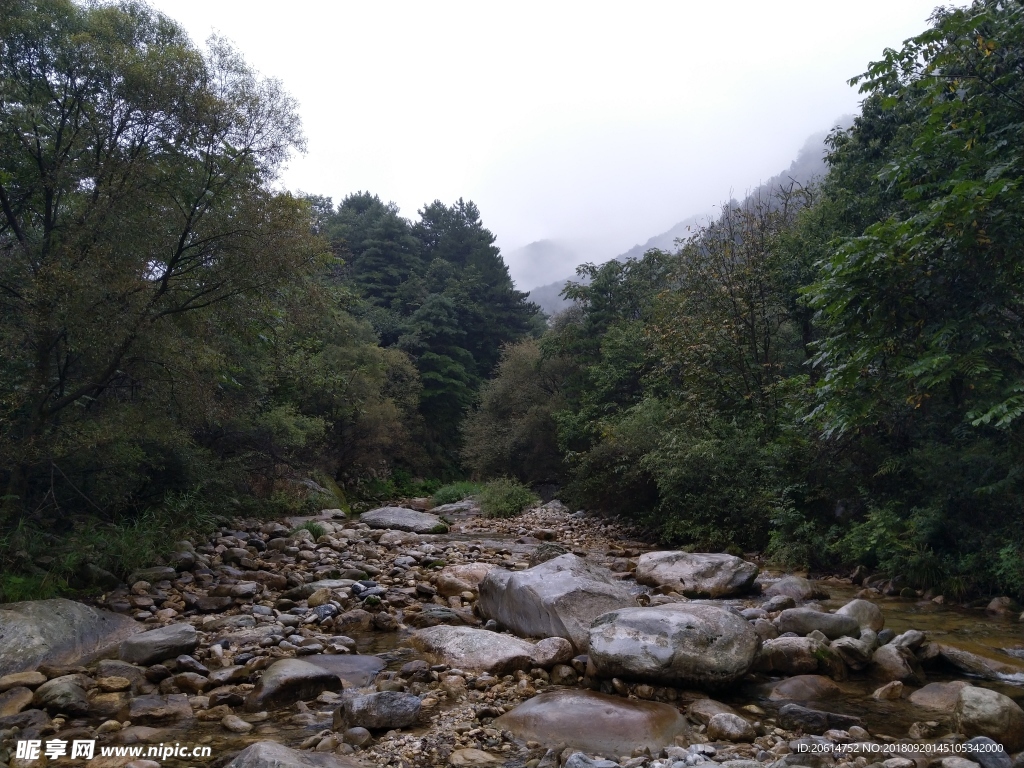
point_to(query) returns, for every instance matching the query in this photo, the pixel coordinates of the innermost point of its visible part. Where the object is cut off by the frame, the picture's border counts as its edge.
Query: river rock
(13, 700)
(62, 694)
(805, 688)
(793, 716)
(981, 712)
(453, 580)
(402, 519)
(354, 671)
(475, 758)
(476, 649)
(32, 679)
(696, 574)
(867, 614)
(988, 754)
(559, 598)
(971, 663)
(856, 652)
(799, 656)
(673, 644)
(159, 644)
(889, 692)
(378, 711)
(702, 710)
(56, 632)
(289, 680)
(156, 709)
(595, 723)
(893, 662)
(728, 727)
(270, 754)
(938, 696)
(803, 621)
(797, 588)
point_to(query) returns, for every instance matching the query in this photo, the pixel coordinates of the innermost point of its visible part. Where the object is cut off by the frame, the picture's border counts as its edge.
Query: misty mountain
(534, 263)
(808, 166)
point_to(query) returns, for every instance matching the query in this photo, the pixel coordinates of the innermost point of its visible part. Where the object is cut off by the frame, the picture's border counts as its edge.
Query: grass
(314, 528)
(453, 492)
(37, 564)
(505, 497)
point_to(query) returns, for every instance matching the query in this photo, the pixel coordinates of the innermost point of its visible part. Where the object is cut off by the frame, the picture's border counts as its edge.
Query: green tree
(135, 192)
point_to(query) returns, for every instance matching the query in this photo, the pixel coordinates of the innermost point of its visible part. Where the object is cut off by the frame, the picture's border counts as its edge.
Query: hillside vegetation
(830, 372)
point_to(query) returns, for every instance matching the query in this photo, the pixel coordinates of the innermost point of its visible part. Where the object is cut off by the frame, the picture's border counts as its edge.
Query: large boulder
(378, 711)
(559, 598)
(971, 663)
(893, 662)
(57, 632)
(798, 588)
(354, 670)
(289, 680)
(696, 574)
(867, 614)
(805, 688)
(62, 694)
(981, 712)
(939, 696)
(799, 656)
(673, 644)
(793, 716)
(486, 651)
(595, 723)
(455, 579)
(270, 754)
(159, 644)
(803, 621)
(402, 519)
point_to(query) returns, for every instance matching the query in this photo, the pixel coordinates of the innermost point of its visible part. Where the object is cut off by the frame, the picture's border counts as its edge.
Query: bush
(505, 497)
(315, 529)
(453, 492)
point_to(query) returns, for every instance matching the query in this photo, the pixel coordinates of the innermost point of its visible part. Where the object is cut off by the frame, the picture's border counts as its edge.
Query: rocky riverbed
(415, 637)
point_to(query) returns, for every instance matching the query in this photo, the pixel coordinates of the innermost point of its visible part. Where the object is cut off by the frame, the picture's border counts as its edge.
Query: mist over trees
(829, 373)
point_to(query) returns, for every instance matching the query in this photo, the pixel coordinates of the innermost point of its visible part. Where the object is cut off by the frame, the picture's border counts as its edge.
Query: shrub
(312, 526)
(453, 492)
(505, 497)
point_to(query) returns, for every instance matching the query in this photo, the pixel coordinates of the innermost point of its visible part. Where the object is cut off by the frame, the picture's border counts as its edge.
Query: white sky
(596, 124)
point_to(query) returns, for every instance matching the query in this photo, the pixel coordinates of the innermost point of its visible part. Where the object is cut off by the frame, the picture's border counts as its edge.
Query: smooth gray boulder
(673, 644)
(159, 644)
(62, 694)
(595, 723)
(354, 670)
(867, 614)
(289, 680)
(402, 519)
(798, 588)
(800, 656)
(558, 598)
(270, 754)
(486, 651)
(57, 632)
(981, 712)
(378, 711)
(803, 621)
(696, 574)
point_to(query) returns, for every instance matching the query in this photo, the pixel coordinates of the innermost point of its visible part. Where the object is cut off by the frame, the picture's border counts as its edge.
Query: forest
(828, 375)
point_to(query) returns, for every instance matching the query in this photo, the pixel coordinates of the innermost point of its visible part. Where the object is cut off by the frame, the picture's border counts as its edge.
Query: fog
(594, 126)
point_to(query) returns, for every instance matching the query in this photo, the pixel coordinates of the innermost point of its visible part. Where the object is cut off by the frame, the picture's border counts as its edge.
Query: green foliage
(513, 428)
(505, 497)
(453, 492)
(438, 290)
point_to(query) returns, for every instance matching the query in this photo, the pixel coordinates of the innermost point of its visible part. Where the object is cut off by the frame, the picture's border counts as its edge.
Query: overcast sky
(596, 124)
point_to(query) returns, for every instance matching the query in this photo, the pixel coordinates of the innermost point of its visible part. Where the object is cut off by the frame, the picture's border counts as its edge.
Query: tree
(135, 191)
